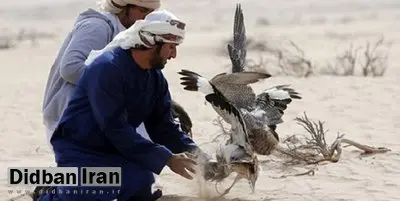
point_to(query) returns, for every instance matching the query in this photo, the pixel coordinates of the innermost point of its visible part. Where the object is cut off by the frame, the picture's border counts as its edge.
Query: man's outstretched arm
(163, 129)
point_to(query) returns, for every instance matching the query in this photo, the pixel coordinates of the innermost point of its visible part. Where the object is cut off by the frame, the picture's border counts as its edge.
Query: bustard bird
(238, 154)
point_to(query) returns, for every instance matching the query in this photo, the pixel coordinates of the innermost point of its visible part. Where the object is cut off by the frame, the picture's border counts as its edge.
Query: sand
(364, 108)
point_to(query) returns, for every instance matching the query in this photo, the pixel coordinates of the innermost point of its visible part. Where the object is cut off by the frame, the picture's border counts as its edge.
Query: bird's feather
(195, 82)
(239, 132)
(274, 102)
(240, 78)
(237, 50)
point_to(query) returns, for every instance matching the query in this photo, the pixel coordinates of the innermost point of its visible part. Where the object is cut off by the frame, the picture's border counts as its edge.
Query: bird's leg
(237, 178)
(252, 186)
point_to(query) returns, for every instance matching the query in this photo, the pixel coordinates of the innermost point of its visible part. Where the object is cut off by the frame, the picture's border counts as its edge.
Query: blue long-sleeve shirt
(113, 96)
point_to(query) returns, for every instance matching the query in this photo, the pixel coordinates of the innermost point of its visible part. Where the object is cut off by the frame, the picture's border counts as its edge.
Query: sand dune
(365, 109)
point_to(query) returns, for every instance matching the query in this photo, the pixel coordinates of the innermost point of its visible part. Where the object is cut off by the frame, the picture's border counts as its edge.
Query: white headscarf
(158, 26)
(115, 6)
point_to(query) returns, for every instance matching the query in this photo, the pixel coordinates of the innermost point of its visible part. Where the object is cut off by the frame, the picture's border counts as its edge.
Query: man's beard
(156, 61)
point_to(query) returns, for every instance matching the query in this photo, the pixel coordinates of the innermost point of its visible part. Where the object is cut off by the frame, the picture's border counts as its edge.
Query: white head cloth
(156, 27)
(115, 6)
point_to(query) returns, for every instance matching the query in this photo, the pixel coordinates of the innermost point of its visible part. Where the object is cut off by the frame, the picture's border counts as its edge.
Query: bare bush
(10, 41)
(372, 61)
(289, 61)
(262, 21)
(6, 43)
(293, 62)
(219, 122)
(251, 44)
(345, 63)
(314, 149)
(260, 65)
(375, 60)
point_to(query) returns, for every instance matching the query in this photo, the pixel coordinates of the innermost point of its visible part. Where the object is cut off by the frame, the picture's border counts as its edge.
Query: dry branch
(293, 62)
(8, 41)
(219, 122)
(366, 148)
(315, 149)
(251, 65)
(308, 173)
(345, 63)
(375, 61)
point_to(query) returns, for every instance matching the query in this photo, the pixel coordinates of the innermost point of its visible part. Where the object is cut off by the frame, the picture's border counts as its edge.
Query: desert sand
(363, 108)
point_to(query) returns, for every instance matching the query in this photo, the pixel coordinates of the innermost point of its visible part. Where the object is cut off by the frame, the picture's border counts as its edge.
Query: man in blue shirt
(121, 87)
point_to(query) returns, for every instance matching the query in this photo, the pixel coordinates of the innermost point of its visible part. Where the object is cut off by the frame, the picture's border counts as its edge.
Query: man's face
(136, 13)
(161, 54)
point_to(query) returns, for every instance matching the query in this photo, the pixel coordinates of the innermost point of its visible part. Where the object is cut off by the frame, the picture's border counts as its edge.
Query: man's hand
(180, 163)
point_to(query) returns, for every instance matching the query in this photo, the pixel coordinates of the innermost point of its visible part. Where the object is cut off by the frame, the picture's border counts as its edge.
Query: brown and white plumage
(238, 154)
(264, 109)
(261, 112)
(247, 168)
(271, 103)
(235, 86)
(256, 130)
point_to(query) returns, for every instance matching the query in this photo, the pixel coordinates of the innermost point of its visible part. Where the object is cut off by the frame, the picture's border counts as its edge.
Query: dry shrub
(290, 59)
(224, 127)
(252, 44)
(8, 41)
(345, 63)
(314, 148)
(373, 60)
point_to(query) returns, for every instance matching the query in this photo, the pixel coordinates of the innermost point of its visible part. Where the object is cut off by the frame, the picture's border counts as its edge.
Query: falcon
(238, 154)
(261, 112)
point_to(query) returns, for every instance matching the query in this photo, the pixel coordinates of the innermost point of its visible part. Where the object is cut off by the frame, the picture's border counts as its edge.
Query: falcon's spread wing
(239, 78)
(274, 102)
(195, 82)
(237, 50)
(235, 86)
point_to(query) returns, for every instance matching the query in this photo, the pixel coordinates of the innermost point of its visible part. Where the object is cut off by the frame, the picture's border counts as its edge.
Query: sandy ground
(365, 109)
